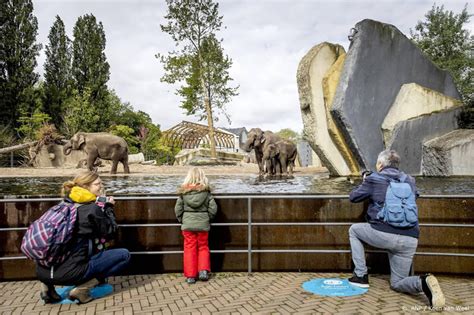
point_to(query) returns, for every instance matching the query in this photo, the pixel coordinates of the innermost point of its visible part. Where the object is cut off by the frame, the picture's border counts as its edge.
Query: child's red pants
(196, 253)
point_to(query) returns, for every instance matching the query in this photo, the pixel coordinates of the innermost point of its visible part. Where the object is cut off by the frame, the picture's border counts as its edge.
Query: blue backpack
(399, 209)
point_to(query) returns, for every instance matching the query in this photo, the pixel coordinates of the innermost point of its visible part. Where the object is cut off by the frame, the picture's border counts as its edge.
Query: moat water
(228, 184)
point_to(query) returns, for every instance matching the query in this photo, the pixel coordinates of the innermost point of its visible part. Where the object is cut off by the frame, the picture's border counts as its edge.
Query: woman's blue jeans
(107, 263)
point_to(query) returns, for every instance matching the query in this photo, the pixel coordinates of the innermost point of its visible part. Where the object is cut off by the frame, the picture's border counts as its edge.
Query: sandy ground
(140, 170)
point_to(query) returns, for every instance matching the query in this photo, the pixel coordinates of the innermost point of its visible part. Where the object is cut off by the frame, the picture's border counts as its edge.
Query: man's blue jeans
(400, 248)
(107, 263)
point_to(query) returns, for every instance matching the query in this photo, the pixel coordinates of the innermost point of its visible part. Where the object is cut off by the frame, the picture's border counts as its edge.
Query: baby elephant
(283, 154)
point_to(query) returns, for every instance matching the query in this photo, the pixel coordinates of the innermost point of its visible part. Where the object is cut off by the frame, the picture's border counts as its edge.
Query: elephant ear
(81, 141)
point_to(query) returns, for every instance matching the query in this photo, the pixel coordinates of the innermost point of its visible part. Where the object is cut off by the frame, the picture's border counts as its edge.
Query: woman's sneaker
(203, 275)
(190, 280)
(361, 282)
(433, 292)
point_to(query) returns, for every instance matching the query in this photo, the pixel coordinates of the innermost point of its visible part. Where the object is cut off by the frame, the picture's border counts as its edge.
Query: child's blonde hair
(196, 177)
(84, 179)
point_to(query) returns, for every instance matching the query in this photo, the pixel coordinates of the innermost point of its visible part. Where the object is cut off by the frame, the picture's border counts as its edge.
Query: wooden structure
(189, 135)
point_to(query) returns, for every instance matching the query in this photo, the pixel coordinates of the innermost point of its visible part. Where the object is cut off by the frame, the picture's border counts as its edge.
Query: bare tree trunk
(210, 122)
(17, 147)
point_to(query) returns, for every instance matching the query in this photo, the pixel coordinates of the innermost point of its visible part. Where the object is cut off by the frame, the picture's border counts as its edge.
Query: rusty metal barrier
(251, 225)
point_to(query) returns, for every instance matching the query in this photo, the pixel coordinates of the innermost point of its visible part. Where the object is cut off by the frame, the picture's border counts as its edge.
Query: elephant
(283, 154)
(100, 145)
(257, 140)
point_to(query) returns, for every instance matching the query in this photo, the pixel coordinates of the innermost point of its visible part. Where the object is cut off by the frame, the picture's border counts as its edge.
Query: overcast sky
(266, 40)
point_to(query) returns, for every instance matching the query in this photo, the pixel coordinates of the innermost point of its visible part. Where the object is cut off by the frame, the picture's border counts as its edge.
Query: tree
(18, 51)
(200, 63)
(289, 134)
(57, 71)
(446, 41)
(90, 68)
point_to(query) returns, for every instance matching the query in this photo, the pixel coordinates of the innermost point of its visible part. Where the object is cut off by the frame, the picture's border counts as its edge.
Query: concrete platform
(237, 293)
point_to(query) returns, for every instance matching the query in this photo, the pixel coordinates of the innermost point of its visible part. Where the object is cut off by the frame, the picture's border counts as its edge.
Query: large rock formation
(412, 101)
(409, 135)
(451, 154)
(311, 71)
(379, 61)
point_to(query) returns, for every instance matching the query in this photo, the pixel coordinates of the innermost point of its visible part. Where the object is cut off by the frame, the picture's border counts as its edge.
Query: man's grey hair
(389, 158)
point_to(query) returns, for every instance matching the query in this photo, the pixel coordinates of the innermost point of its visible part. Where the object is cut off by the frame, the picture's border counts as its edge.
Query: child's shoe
(203, 275)
(190, 280)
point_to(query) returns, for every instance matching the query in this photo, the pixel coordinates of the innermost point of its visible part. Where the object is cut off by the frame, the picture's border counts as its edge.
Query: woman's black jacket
(92, 222)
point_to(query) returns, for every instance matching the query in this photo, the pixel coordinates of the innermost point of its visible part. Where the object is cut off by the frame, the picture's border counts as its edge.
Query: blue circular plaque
(332, 287)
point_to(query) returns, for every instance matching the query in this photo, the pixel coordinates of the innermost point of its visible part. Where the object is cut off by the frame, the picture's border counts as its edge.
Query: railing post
(11, 159)
(249, 236)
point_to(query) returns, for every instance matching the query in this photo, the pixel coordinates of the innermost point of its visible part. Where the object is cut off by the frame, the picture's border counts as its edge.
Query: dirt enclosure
(141, 170)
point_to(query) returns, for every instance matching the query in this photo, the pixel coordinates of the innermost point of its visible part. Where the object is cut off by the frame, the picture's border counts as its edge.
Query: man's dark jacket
(374, 189)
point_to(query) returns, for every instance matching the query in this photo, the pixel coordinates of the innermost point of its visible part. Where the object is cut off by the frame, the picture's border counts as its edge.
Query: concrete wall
(414, 100)
(409, 136)
(450, 154)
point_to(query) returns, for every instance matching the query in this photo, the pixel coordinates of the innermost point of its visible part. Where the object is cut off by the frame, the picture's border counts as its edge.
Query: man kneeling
(393, 226)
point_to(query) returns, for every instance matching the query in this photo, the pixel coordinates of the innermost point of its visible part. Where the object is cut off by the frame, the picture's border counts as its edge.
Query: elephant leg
(91, 161)
(113, 170)
(124, 161)
(259, 158)
(283, 166)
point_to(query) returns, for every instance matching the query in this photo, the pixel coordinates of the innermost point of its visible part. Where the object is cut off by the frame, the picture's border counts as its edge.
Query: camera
(103, 199)
(366, 173)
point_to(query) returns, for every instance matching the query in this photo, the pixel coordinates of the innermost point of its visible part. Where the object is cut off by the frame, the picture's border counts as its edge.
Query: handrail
(250, 250)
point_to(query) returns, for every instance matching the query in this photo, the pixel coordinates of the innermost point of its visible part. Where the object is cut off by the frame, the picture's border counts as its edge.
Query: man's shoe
(433, 292)
(361, 282)
(49, 295)
(203, 275)
(190, 280)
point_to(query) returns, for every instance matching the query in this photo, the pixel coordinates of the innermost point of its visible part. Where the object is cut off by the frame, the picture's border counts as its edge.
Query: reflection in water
(228, 184)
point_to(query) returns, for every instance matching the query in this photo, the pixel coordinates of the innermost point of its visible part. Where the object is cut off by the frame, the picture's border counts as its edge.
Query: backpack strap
(403, 178)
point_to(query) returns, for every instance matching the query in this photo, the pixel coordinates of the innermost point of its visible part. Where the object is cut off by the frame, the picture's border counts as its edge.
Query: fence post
(249, 236)
(11, 159)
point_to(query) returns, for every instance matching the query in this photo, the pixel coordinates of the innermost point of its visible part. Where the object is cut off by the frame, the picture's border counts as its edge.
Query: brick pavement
(236, 293)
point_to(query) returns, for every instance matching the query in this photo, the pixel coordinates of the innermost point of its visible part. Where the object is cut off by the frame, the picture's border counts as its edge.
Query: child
(194, 209)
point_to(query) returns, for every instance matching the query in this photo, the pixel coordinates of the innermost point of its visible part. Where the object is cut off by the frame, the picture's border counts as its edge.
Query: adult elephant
(100, 145)
(283, 153)
(257, 140)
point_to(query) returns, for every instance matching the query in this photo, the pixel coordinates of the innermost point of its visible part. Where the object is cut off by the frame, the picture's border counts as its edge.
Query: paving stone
(269, 293)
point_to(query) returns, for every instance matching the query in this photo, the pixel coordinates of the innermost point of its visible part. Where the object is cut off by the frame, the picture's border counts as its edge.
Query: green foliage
(128, 134)
(149, 137)
(7, 137)
(79, 114)
(90, 68)
(18, 51)
(57, 71)
(164, 153)
(443, 36)
(289, 134)
(30, 125)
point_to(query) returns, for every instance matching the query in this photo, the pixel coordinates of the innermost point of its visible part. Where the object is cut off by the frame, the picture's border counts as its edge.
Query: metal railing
(251, 224)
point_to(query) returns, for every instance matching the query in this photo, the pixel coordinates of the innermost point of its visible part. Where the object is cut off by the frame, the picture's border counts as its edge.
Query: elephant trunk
(67, 148)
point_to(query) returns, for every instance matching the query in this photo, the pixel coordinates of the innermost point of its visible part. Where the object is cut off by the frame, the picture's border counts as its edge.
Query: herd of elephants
(274, 155)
